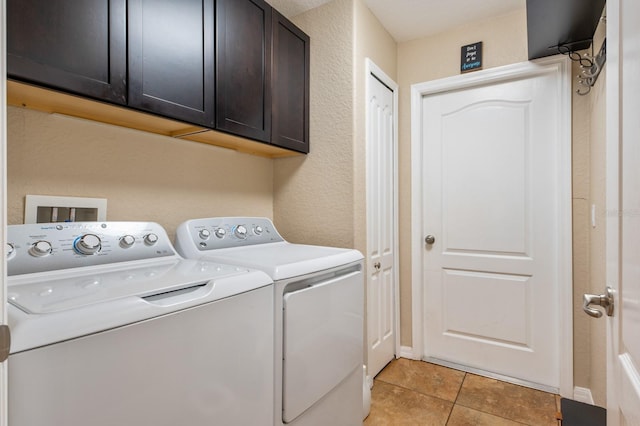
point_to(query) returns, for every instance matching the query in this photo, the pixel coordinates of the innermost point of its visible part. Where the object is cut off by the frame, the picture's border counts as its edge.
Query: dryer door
(323, 340)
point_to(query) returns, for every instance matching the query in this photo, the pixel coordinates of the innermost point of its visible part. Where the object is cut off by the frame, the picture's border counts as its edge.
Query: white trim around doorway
(562, 66)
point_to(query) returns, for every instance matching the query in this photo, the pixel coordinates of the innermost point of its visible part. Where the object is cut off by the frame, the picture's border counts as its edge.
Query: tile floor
(416, 393)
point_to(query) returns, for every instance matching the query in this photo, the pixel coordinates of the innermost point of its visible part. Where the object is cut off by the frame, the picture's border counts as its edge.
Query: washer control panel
(52, 246)
(198, 235)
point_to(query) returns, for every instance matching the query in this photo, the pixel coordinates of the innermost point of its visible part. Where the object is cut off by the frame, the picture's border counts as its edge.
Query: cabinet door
(171, 51)
(243, 68)
(290, 116)
(74, 45)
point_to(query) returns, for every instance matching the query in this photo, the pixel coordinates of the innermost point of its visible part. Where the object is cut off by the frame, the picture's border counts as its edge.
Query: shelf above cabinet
(50, 101)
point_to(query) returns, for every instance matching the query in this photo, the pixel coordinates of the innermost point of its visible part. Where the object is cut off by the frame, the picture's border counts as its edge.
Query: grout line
(455, 401)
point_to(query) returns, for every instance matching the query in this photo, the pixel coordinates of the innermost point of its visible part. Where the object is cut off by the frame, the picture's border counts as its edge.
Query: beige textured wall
(597, 238)
(597, 243)
(581, 223)
(313, 195)
(504, 42)
(143, 176)
(589, 248)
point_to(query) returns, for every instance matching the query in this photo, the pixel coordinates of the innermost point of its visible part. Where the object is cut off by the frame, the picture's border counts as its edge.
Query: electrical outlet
(47, 208)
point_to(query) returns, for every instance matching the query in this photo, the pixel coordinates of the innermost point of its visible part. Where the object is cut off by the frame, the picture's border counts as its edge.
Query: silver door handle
(605, 300)
(429, 239)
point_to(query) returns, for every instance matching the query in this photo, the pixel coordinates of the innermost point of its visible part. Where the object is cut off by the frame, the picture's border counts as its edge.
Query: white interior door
(381, 219)
(496, 190)
(623, 207)
(3, 204)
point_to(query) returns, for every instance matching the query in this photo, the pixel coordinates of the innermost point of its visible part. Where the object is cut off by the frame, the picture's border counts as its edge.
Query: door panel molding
(559, 66)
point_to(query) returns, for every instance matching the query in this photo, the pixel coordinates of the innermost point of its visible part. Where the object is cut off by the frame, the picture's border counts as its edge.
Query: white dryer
(111, 327)
(319, 309)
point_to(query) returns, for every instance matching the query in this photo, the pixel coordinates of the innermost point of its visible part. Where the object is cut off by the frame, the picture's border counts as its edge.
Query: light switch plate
(49, 208)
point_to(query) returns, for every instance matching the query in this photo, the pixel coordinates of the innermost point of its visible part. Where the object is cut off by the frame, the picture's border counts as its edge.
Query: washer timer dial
(88, 244)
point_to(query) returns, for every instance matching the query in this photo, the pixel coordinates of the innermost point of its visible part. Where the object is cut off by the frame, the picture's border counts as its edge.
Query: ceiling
(410, 19)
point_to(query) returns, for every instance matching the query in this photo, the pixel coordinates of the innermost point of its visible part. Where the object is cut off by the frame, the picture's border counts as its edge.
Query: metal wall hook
(590, 65)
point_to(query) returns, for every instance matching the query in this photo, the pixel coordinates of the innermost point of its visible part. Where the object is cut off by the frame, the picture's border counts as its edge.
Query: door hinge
(5, 342)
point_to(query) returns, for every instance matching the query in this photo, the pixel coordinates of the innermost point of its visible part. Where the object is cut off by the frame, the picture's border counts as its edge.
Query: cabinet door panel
(243, 68)
(171, 58)
(74, 45)
(290, 118)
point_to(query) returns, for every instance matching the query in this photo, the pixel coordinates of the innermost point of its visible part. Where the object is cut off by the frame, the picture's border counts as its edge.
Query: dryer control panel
(44, 247)
(198, 235)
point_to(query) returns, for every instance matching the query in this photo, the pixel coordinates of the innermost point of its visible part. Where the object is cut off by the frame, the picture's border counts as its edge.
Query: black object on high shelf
(553, 23)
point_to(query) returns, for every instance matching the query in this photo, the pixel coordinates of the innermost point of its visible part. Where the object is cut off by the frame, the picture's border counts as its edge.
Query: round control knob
(240, 231)
(220, 233)
(10, 250)
(258, 230)
(204, 234)
(150, 239)
(127, 241)
(88, 244)
(40, 249)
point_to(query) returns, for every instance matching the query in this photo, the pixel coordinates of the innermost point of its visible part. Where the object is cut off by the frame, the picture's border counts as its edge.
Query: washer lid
(285, 260)
(93, 285)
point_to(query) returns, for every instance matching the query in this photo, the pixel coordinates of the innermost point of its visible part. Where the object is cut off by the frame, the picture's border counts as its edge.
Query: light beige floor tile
(423, 377)
(463, 416)
(517, 403)
(396, 406)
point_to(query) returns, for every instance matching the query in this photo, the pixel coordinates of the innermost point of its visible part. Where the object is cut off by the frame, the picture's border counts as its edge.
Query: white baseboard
(583, 395)
(407, 352)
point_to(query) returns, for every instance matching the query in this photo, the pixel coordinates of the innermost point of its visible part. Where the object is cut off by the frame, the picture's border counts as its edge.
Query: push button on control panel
(150, 239)
(127, 241)
(10, 250)
(240, 231)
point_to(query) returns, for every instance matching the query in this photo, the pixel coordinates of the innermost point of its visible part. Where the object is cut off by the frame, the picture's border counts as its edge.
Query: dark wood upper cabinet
(171, 59)
(243, 68)
(74, 45)
(290, 83)
(235, 66)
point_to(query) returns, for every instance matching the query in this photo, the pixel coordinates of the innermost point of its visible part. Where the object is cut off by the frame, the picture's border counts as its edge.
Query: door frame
(4, 386)
(556, 64)
(372, 69)
(621, 371)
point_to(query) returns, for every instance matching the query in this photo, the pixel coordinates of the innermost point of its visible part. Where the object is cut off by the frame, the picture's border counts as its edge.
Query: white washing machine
(111, 327)
(319, 309)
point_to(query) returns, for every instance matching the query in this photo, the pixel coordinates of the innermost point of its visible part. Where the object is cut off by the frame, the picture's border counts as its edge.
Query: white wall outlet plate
(49, 208)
